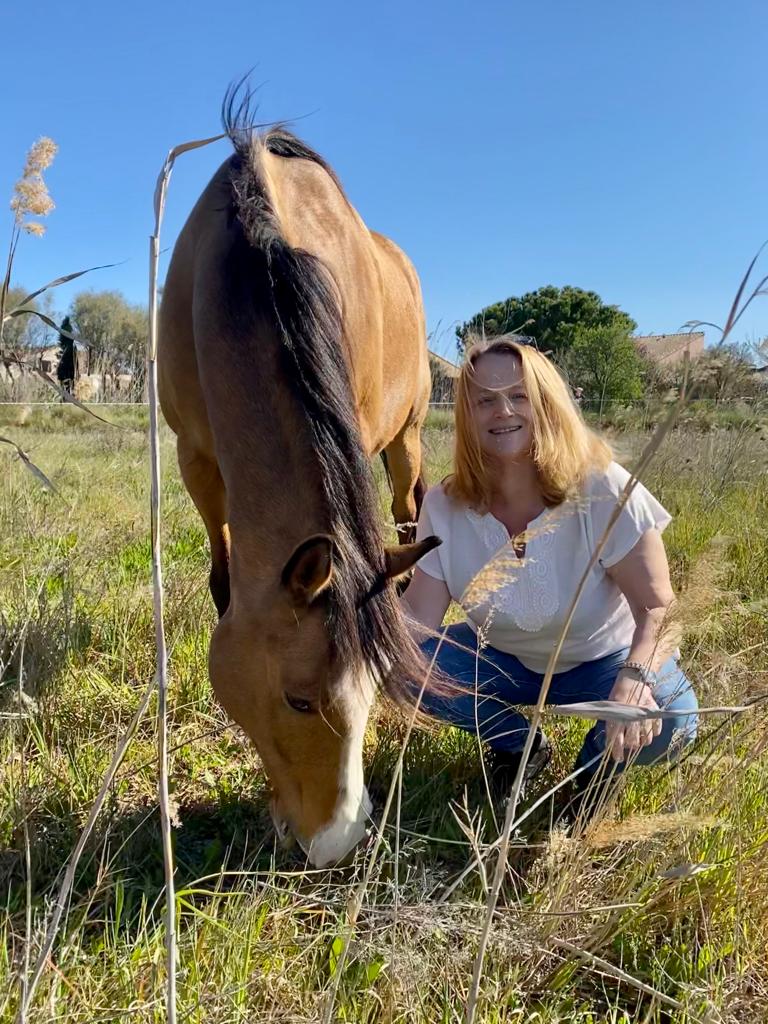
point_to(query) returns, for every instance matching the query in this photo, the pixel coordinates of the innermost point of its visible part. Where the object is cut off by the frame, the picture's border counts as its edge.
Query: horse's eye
(298, 704)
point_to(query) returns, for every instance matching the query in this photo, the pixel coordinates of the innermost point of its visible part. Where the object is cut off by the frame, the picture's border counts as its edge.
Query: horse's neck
(274, 496)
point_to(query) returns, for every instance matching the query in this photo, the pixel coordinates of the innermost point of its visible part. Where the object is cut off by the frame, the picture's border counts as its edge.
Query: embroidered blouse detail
(530, 594)
(522, 602)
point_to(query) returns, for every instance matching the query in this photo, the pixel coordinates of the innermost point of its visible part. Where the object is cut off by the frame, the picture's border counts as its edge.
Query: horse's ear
(401, 557)
(309, 570)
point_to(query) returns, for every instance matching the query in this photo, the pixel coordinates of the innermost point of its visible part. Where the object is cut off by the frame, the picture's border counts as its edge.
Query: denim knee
(676, 734)
(673, 693)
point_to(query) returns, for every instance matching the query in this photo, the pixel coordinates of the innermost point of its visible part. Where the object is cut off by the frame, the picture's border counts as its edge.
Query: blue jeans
(502, 682)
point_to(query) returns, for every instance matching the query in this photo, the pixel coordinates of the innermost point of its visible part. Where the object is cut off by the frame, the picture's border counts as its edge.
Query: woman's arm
(425, 602)
(643, 578)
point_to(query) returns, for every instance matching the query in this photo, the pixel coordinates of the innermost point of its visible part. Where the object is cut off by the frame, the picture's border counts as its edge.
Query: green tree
(604, 361)
(16, 331)
(66, 368)
(550, 314)
(22, 334)
(114, 329)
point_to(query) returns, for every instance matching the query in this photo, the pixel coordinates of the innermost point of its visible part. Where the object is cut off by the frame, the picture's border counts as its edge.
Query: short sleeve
(641, 513)
(429, 563)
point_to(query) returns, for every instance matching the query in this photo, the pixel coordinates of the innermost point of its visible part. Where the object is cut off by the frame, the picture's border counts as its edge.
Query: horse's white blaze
(345, 831)
(353, 807)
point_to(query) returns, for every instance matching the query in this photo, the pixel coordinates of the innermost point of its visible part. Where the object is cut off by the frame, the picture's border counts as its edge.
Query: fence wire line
(591, 403)
(56, 405)
(585, 402)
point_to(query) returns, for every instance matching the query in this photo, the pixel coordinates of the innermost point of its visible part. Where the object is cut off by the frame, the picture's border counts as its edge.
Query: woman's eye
(519, 398)
(299, 704)
(485, 400)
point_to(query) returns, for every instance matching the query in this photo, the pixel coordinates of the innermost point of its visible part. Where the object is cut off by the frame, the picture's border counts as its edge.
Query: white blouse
(521, 604)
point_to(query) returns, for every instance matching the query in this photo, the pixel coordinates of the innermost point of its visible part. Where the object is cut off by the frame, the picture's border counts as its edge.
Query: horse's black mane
(238, 115)
(365, 624)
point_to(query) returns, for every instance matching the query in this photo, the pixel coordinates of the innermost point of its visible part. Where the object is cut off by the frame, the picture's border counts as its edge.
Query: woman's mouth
(504, 430)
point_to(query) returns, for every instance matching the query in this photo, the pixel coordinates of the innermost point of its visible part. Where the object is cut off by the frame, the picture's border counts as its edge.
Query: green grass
(259, 937)
(700, 415)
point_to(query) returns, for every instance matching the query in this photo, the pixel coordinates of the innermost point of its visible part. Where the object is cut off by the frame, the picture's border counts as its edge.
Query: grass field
(672, 890)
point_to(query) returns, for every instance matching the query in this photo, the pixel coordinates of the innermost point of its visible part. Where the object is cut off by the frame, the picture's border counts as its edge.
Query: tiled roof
(448, 368)
(663, 346)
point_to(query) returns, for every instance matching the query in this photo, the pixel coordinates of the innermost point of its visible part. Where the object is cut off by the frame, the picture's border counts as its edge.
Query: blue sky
(618, 146)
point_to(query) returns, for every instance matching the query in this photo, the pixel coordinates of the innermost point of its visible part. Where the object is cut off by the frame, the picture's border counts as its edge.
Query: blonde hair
(564, 449)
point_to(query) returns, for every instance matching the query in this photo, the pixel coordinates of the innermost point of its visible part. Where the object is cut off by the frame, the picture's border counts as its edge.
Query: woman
(531, 494)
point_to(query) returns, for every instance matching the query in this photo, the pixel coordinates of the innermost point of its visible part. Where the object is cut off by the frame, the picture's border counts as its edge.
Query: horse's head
(284, 677)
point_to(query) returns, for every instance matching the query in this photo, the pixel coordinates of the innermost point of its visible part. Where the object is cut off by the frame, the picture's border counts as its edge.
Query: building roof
(448, 368)
(666, 346)
(52, 351)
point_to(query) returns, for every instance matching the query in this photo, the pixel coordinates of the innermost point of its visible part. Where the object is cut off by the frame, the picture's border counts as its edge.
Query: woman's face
(500, 408)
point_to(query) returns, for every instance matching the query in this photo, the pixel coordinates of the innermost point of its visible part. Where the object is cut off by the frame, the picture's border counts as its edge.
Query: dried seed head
(30, 194)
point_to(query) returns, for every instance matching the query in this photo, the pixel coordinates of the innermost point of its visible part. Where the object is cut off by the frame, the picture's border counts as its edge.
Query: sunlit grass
(259, 936)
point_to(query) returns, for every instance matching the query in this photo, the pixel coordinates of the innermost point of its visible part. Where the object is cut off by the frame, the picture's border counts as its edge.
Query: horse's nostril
(284, 835)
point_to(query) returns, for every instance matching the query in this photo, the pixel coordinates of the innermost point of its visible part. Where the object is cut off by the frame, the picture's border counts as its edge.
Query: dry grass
(671, 892)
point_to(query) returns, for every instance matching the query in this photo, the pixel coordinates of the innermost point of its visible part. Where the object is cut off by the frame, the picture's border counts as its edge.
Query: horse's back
(404, 342)
(374, 283)
(197, 249)
(378, 291)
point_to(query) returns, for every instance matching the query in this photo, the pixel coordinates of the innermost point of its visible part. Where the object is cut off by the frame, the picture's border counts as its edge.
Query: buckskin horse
(292, 349)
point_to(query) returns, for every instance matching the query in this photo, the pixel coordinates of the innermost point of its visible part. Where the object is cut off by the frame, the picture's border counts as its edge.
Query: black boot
(589, 795)
(503, 766)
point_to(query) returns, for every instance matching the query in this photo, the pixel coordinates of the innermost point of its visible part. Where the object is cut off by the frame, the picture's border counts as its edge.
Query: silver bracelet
(647, 675)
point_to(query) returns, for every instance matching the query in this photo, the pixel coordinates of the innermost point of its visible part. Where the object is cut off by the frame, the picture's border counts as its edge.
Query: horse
(292, 350)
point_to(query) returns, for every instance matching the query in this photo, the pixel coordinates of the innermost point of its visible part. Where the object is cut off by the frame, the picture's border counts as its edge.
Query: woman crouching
(531, 494)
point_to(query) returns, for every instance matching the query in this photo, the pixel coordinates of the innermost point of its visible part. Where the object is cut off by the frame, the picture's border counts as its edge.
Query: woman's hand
(625, 738)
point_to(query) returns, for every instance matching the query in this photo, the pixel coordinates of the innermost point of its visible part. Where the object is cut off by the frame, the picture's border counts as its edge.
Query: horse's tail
(387, 471)
(419, 490)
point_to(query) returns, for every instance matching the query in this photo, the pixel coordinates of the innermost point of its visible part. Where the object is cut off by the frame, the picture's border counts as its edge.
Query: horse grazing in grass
(292, 349)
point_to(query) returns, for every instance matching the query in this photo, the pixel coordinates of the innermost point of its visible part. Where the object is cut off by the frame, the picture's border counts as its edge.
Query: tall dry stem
(65, 888)
(738, 306)
(538, 710)
(166, 817)
(356, 901)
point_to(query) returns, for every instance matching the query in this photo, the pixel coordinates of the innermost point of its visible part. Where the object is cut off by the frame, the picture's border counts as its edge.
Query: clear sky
(616, 145)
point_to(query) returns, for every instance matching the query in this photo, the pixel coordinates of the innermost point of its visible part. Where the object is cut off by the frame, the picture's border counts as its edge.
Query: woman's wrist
(641, 671)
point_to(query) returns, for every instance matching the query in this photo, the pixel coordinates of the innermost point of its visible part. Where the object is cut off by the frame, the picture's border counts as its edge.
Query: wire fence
(649, 407)
(638, 403)
(60, 402)
(645, 413)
